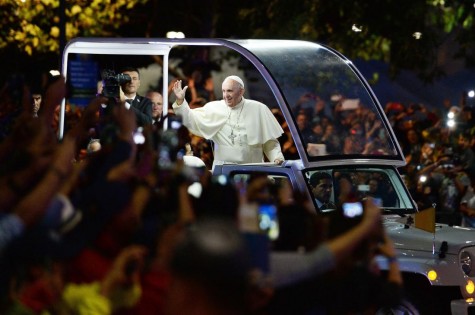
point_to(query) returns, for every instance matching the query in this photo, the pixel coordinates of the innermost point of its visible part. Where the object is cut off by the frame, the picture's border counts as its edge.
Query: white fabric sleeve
(187, 116)
(289, 268)
(182, 110)
(203, 121)
(272, 150)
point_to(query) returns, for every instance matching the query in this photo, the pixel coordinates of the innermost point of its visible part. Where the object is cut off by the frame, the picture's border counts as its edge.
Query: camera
(111, 83)
(349, 215)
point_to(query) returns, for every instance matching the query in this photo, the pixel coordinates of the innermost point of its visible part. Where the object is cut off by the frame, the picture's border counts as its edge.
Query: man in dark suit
(141, 105)
(322, 186)
(157, 106)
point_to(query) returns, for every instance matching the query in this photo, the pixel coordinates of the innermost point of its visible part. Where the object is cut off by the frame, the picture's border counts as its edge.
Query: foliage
(34, 26)
(408, 34)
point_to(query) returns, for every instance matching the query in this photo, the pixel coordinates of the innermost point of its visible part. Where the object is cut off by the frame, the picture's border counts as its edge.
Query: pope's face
(232, 92)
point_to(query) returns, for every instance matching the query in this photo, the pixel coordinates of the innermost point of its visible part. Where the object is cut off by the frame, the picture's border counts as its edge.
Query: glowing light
(471, 93)
(139, 138)
(423, 178)
(195, 189)
(356, 28)
(417, 35)
(451, 123)
(54, 73)
(470, 287)
(451, 115)
(432, 275)
(173, 34)
(222, 180)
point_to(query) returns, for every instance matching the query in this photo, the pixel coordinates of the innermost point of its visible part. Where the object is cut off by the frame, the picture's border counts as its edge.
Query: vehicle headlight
(466, 263)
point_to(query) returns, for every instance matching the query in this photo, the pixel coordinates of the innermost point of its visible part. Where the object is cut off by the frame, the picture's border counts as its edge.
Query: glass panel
(202, 66)
(332, 186)
(330, 111)
(200, 63)
(331, 107)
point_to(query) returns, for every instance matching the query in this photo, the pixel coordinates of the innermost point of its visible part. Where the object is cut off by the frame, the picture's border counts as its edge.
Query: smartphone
(268, 221)
(352, 209)
(175, 122)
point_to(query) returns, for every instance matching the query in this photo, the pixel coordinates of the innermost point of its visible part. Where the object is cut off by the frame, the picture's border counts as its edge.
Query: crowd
(113, 230)
(438, 145)
(439, 149)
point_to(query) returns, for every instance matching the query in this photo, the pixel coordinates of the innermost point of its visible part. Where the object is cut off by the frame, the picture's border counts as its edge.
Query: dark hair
(346, 176)
(130, 69)
(317, 177)
(219, 199)
(214, 254)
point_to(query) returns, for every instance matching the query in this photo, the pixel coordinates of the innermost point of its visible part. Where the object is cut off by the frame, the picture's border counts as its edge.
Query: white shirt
(241, 134)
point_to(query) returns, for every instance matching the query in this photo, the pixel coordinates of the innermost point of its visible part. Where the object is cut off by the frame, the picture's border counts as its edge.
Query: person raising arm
(243, 130)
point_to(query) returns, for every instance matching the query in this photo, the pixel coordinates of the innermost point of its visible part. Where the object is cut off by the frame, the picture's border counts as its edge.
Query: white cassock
(241, 134)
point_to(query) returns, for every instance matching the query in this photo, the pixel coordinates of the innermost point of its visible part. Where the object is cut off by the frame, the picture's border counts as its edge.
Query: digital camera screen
(268, 220)
(352, 209)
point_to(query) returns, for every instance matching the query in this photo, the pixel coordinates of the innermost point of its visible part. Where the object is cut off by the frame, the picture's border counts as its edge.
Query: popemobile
(301, 80)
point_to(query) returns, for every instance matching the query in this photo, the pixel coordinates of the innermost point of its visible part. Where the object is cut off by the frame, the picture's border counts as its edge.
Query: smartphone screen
(268, 221)
(174, 124)
(352, 209)
(139, 137)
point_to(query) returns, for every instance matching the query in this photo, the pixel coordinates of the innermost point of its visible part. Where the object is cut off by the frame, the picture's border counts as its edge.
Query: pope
(242, 130)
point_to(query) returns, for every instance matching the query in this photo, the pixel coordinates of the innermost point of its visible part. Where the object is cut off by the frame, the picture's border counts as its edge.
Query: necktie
(129, 100)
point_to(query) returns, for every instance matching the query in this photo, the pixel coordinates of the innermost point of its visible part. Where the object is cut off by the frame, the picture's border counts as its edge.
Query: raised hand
(372, 213)
(89, 117)
(125, 270)
(179, 92)
(53, 98)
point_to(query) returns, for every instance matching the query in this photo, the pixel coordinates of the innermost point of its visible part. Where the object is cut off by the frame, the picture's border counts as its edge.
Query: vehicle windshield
(331, 186)
(332, 109)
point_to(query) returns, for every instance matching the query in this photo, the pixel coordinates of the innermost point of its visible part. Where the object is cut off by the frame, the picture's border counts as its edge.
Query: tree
(408, 34)
(34, 26)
